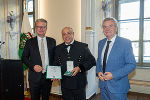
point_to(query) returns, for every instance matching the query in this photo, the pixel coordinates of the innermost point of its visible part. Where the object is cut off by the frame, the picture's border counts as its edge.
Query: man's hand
(100, 76)
(108, 76)
(38, 68)
(75, 71)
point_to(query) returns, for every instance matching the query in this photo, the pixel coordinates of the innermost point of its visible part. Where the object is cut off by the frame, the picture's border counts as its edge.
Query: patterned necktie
(43, 55)
(105, 56)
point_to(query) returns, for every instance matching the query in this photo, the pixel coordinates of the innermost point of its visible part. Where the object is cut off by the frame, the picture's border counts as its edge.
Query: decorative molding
(11, 19)
(107, 8)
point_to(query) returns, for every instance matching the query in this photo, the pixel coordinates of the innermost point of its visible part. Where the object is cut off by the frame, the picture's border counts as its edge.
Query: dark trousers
(73, 94)
(43, 87)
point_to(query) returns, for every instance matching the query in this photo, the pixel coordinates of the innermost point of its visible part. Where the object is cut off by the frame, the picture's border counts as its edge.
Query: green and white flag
(26, 33)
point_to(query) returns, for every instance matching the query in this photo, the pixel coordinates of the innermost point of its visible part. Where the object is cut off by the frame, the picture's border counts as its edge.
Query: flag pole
(26, 92)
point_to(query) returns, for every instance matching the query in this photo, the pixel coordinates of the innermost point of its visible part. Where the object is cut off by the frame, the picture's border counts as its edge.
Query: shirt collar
(70, 43)
(113, 39)
(39, 38)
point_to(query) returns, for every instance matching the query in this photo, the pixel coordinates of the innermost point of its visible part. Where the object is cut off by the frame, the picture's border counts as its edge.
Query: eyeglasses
(110, 26)
(41, 27)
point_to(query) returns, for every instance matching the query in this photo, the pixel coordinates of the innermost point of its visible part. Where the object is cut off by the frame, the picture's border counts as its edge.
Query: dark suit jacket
(31, 56)
(80, 54)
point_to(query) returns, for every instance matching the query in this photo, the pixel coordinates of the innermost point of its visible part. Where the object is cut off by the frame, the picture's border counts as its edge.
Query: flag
(26, 33)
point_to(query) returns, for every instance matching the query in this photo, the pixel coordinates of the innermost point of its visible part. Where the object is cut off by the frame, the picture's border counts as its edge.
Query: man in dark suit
(115, 61)
(38, 53)
(77, 55)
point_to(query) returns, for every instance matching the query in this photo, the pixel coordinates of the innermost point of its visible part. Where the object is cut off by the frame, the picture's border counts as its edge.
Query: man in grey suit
(78, 56)
(115, 61)
(38, 53)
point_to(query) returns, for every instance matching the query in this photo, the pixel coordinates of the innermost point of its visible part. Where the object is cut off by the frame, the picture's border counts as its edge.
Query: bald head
(67, 34)
(67, 28)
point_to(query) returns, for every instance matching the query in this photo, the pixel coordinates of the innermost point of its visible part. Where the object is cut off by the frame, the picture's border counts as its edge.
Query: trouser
(107, 95)
(43, 87)
(73, 94)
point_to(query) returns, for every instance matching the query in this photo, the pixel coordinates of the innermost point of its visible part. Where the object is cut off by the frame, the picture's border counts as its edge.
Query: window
(29, 6)
(134, 24)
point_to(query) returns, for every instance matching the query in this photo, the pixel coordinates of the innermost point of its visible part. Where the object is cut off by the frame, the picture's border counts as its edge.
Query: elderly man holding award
(75, 59)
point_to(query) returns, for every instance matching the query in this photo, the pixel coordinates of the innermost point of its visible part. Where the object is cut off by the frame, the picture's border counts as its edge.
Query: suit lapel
(36, 46)
(48, 45)
(72, 48)
(113, 50)
(64, 50)
(101, 48)
(36, 49)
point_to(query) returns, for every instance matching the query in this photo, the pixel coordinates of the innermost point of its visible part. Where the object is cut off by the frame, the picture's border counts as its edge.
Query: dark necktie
(105, 56)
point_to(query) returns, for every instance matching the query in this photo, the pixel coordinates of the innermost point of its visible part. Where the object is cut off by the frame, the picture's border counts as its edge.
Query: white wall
(61, 13)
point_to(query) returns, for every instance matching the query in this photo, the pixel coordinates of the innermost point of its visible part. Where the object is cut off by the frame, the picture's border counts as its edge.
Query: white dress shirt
(68, 49)
(110, 47)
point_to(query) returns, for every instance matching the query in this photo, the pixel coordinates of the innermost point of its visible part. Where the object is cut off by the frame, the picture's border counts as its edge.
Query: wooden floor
(55, 97)
(131, 96)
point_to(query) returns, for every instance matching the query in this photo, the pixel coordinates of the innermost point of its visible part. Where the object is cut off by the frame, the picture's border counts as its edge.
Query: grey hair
(111, 18)
(41, 20)
(68, 28)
